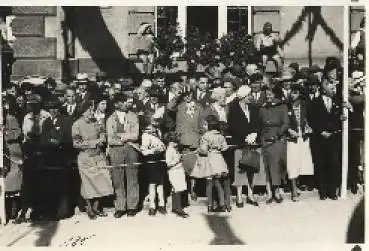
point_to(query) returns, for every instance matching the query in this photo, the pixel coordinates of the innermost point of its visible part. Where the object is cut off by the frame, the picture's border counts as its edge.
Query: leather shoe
(220, 209)
(194, 197)
(181, 213)
(119, 214)
(269, 201)
(323, 196)
(252, 202)
(131, 213)
(353, 189)
(333, 197)
(91, 215)
(152, 212)
(228, 208)
(210, 209)
(20, 219)
(100, 213)
(239, 204)
(278, 198)
(162, 210)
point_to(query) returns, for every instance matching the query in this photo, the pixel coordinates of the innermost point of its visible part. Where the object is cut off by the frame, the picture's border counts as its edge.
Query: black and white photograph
(165, 125)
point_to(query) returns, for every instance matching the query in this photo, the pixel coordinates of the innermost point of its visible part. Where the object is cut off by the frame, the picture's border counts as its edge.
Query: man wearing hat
(53, 141)
(123, 133)
(83, 95)
(286, 80)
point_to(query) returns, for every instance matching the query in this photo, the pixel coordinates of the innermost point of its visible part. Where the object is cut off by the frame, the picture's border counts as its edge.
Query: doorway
(205, 18)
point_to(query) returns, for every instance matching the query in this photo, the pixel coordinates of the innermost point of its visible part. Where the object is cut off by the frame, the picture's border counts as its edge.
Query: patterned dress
(210, 161)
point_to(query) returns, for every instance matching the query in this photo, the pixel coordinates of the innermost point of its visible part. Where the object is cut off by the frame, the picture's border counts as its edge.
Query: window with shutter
(263, 14)
(137, 16)
(237, 18)
(166, 16)
(356, 15)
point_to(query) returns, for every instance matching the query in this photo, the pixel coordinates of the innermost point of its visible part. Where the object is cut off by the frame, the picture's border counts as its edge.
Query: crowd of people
(102, 138)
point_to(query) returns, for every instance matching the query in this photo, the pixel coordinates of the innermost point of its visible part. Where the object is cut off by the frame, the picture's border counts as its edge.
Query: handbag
(250, 160)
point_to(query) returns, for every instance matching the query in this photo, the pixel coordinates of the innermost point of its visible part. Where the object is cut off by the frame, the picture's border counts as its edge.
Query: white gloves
(251, 138)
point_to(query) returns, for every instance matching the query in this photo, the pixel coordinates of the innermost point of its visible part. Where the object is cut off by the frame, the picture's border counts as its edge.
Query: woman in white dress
(299, 161)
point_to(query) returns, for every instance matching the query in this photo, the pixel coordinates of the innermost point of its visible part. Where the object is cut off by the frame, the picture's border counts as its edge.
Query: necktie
(70, 109)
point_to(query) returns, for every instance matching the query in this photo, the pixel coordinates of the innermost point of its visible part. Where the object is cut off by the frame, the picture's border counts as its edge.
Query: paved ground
(307, 221)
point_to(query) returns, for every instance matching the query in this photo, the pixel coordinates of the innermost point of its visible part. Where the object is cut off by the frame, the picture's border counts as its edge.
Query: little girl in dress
(153, 150)
(210, 163)
(176, 174)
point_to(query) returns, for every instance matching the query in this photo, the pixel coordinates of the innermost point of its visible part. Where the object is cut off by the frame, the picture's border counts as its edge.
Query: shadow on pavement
(356, 227)
(45, 232)
(224, 234)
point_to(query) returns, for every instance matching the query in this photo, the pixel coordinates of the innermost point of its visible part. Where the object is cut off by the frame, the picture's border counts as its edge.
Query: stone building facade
(60, 41)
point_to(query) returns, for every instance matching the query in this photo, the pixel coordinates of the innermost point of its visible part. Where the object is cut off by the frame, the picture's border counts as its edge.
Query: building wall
(35, 47)
(297, 49)
(104, 38)
(322, 46)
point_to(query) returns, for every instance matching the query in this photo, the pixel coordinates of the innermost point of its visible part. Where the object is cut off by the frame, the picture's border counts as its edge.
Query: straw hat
(243, 91)
(82, 78)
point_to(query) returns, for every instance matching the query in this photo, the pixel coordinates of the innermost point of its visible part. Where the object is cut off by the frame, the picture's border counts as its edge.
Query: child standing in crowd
(210, 163)
(153, 149)
(176, 173)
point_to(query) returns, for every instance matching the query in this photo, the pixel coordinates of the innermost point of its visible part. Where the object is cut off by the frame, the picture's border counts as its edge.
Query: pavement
(307, 221)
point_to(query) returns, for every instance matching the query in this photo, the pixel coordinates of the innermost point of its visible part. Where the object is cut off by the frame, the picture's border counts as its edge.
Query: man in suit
(70, 108)
(258, 96)
(71, 112)
(83, 97)
(202, 94)
(54, 176)
(324, 117)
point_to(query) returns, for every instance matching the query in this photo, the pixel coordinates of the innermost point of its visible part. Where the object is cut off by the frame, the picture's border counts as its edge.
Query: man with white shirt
(324, 117)
(286, 80)
(258, 96)
(83, 95)
(70, 107)
(202, 94)
(123, 133)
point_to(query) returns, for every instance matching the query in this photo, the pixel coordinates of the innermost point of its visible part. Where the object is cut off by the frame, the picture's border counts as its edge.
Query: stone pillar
(222, 20)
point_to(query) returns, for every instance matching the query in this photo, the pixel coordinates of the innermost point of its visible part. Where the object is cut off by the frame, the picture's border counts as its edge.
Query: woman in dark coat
(274, 124)
(12, 160)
